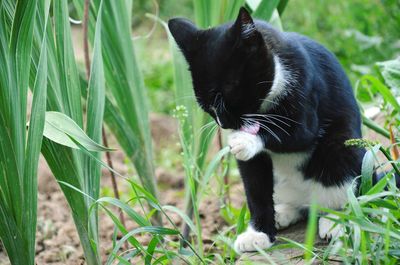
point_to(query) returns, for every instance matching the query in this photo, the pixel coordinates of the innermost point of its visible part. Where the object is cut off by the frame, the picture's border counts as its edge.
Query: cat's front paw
(250, 240)
(328, 230)
(244, 146)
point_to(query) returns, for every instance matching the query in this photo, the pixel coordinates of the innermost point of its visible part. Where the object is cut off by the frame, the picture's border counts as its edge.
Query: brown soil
(57, 239)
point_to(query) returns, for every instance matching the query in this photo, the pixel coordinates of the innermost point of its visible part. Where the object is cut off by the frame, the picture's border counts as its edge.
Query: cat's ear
(184, 32)
(244, 24)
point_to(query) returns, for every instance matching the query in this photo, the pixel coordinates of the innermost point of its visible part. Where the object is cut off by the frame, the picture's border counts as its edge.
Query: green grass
(20, 148)
(359, 32)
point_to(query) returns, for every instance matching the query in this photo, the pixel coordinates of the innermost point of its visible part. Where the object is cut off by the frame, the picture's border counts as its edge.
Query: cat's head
(231, 67)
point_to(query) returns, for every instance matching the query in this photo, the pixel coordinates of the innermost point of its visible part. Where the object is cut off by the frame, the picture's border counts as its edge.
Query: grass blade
(60, 128)
(94, 123)
(34, 143)
(232, 9)
(68, 73)
(265, 9)
(311, 231)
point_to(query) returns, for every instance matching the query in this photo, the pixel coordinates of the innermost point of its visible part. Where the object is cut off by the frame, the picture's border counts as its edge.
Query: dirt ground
(57, 239)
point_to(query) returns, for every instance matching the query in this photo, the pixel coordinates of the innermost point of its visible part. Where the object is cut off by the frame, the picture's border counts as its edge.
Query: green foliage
(70, 167)
(358, 32)
(69, 112)
(371, 219)
(20, 148)
(126, 109)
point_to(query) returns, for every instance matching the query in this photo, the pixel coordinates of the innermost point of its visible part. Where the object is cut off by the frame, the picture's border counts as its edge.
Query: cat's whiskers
(224, 107)
(283, 117)
(250, 122)
(265, 82)
(270, 101)
(206, 126)
(215, 126)
(265, 127)
(265, 119)
(270, 115)
(273, 118)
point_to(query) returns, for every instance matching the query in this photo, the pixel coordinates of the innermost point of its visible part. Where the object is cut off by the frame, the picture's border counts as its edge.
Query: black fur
(233, 69)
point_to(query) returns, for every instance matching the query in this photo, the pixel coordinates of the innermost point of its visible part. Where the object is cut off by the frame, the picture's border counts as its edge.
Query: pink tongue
(252, 129)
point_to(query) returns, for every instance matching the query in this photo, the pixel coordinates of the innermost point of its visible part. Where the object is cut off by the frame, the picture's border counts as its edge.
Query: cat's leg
(333, 197)
(328, 229)
(334, 179)
(289, 203)
(286, 214)
(291, 194)
(258, 183)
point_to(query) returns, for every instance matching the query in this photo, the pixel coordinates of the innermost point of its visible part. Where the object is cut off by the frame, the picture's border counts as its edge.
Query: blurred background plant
(360, 33)
(136, 69)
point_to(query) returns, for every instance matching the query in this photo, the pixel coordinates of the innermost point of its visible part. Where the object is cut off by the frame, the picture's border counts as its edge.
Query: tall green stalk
(19, 147)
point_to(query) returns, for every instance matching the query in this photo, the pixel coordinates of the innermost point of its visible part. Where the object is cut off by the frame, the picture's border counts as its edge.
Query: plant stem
(185, 226)
(113, 178)
(226, 175)
(389, 157)
(372, 125)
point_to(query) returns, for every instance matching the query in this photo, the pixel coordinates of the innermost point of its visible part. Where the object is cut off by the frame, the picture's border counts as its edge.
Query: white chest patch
(290, 186)
(279, 88)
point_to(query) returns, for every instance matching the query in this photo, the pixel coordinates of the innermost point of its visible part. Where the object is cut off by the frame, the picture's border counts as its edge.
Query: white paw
(327, 228)
(249, 240)
(244, 146)
(285, 215)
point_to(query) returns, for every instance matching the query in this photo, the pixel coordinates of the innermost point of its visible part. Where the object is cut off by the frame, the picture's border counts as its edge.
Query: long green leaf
(231, 9)
(126, 208)
(207, 12)
(19, 157)
(95, 113)
(60, 128)
(146, 229)
(367, 168)
(69, 79)
(390, 71)
(34, 143)
(378, 86)
(21, 48)
(265, 9)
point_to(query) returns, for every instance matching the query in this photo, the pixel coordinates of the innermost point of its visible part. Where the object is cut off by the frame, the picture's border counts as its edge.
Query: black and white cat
(290, 107)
